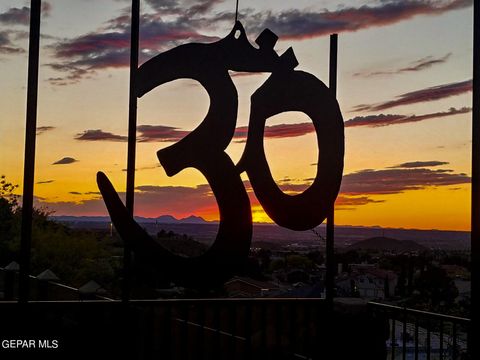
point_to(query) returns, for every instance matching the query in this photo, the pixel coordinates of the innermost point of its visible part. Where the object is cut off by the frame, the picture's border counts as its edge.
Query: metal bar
(216, 326)
(264, 328)
(232, 311)
(441, 339)
(404, 335)
(150, 333)
(428, 340)
(475, 203)
(393, 338)
(167, 345)
(416, 338)
(30, 139)
(132, 137)
(200, 320)
(292, 328)
(469, 339)
(329, 244)
(423, 314)
(278, 325)
(184, 338)
(248, 331)
(454, 336)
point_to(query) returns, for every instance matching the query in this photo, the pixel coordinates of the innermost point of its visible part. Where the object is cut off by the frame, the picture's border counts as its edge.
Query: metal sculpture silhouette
(203, 149)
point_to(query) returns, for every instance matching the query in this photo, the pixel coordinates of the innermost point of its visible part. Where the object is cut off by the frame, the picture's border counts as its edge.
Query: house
(367, 282)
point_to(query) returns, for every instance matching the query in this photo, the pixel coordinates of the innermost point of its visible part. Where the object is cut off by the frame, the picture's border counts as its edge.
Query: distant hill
(164, 219)
(206, 232)
(386, 244)
(183, 245)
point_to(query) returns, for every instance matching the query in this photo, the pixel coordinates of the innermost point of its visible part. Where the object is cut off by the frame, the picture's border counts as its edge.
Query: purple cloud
(423, 95)
(394, 181)
(109, 47)
(16, 16)
(418, 65)
(181, 21)
(420, 164)
(277, 131)
(394, 119)
(6, 45)
(151, 133)
(298, 24)
(99, 135)
(21, 16)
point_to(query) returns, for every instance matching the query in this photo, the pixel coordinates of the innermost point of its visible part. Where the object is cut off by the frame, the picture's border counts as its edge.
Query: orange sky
(403, 88)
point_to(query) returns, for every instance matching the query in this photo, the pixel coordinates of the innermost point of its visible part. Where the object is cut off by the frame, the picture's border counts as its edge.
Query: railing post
(329, 245)
(30, 139)
(132, 137)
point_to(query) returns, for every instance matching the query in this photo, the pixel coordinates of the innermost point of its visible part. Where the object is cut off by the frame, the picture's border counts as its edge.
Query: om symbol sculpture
(203, 149)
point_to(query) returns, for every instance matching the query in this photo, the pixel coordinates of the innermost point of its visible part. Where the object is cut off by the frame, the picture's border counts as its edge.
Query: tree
(435, 287)
(75, 256)
(8, 215)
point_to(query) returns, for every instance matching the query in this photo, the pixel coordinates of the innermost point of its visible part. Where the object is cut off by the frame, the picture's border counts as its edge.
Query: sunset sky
(404, 88)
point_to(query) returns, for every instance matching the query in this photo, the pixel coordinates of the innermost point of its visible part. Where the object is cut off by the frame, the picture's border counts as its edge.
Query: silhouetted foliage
(75, 256)
(435, 287)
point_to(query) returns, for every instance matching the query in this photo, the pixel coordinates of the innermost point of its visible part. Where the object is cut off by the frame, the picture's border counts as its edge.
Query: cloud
(6, 45)
(149, 133)
(345, 202)
(150, 200)
(21, 16)
(181, 21)
(418, 65)
(16, 16)
(109, 47)
(46, 8)
(186, 6)
(43, 129)
(99, 135)
(358, 189)
(64, 161)
(298, 24)
(277, 131)
(45, 182)
(417, 164)
(156, 166)
(162, 133)
(394, 119)
(75, 193)
(394, 181)
(423, 95)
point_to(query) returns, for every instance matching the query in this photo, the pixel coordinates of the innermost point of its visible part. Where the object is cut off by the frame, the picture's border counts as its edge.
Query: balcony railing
(197, 329)
(416, 334)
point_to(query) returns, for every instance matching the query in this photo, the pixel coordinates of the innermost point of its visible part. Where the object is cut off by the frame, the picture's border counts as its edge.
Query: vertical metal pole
(30, 138)
(475, 220)
(132, 137)
(329, 246)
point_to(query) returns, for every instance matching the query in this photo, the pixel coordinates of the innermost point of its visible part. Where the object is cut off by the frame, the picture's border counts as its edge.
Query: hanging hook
(236, 12)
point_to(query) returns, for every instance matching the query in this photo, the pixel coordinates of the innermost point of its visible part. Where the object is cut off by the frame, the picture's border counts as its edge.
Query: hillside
(386, 244)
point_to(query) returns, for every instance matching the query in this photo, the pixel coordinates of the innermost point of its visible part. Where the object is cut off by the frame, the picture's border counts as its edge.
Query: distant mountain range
(206, 231)
(164, 219)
